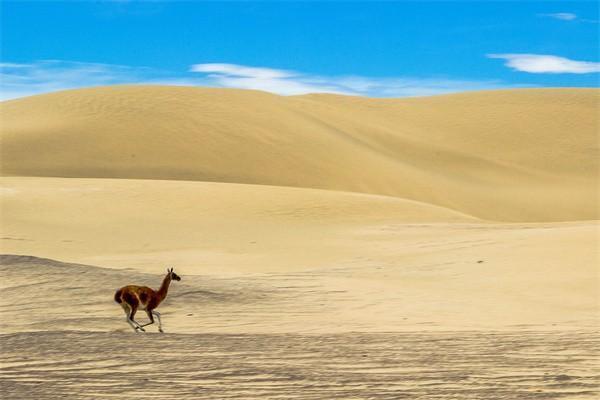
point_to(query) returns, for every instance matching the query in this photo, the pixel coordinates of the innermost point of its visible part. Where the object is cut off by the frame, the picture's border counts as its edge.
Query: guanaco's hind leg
(129, 314)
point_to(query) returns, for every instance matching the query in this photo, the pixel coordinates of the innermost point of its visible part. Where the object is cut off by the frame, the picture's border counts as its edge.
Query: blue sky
(388, 49)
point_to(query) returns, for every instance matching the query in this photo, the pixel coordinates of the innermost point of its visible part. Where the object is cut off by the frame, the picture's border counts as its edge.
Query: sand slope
(520, 155)
(287, 260)
(233, 227)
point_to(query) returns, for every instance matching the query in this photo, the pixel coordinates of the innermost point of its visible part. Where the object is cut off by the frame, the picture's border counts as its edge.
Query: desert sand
(330, 246)
(521, 155)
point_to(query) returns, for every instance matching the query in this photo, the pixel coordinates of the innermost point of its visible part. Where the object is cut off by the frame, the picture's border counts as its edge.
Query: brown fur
(132, 297)
(118, 294)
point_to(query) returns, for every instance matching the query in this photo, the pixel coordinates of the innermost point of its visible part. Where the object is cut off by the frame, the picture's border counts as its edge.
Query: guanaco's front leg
(159, 321)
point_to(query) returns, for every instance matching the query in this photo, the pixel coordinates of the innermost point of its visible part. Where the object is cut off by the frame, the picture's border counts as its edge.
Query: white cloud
(287, 82)
(567, 16)
(242, 71)
(20, 79)
(13, 65)
(284, 82)
(546, 64)
(563, 16)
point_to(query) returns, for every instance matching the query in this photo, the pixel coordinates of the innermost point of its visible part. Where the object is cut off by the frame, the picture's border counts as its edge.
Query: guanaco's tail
(118, 296)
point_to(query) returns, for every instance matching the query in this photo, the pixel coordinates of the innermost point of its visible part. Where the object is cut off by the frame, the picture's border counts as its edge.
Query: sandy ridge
(520, 155)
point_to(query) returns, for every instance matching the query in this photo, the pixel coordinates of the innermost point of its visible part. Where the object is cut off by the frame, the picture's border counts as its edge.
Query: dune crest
(516, 155)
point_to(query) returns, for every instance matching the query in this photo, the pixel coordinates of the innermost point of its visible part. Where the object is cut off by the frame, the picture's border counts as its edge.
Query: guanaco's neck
(164, 288)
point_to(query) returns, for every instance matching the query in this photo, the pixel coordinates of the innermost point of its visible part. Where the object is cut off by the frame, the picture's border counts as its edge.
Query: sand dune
(233, 227)
(326, 261)
(521, 155)
(375, 278)
(512, 155)
(330, 246)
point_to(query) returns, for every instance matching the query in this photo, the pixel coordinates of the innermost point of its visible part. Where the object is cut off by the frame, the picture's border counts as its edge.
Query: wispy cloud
(19, 80)
(567, 16)
(284, 82)
(288, 82)
(563, 16)
(242, 70)
(24, 79)
(546, 64)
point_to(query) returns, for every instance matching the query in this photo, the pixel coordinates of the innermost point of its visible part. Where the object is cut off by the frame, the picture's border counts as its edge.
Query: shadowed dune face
(524, 155)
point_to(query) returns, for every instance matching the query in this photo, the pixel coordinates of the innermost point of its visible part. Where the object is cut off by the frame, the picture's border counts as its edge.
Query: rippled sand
(411, 365)
(267, 336)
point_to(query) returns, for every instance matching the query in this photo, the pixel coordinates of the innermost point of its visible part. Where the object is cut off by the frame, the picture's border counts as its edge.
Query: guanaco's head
(173, 275)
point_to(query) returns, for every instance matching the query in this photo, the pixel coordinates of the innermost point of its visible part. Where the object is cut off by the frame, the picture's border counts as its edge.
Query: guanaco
(132, 297)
